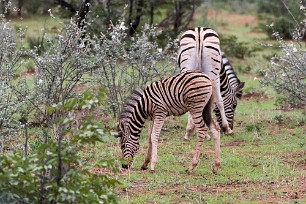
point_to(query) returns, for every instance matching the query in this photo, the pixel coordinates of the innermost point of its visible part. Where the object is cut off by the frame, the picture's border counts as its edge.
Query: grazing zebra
(200, 51)
(231, 91)
(187, 91)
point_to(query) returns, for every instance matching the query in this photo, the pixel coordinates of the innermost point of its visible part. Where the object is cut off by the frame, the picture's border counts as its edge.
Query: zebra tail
(207, 112)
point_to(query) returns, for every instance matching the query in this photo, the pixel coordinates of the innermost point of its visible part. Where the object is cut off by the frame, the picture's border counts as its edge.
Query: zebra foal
(187, 91)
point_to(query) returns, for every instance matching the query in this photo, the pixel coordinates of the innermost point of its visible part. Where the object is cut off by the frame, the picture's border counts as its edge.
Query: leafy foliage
(124, 65)
(54, 172)
(233, 48)
(9, 103)
(287, 70)
(285, 16)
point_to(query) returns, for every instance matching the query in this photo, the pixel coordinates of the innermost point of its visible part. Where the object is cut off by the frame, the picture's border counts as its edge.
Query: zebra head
(230, 104)
(129, 143)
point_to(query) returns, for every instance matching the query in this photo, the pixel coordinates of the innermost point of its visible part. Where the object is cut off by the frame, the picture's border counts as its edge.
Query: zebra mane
(130, 103)
(228, 70)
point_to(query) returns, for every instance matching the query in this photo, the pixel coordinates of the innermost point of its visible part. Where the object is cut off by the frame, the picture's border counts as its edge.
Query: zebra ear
(239, 90)
(240, 86)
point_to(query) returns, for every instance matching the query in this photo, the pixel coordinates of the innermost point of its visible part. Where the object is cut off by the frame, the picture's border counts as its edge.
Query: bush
(9, 61)
(232, 48)
(287, 73)
(285, 17)
(124, 65)
(54, 172)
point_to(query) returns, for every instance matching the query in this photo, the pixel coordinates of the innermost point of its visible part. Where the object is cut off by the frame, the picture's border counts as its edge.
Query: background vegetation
(56, 121)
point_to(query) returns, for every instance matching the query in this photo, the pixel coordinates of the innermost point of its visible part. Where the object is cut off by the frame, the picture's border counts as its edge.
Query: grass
(263, 162)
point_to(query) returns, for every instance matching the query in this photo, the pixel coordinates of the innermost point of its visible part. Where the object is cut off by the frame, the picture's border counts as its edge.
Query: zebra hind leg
(202, 134)
(215, 130)
(190, 129)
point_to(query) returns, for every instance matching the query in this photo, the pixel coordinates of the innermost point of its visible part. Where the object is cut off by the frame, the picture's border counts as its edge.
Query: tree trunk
(135, 23)
(64, 4)
(152, 8)
(178, 15)
(82, 13)
(20, 4)
(5, 9)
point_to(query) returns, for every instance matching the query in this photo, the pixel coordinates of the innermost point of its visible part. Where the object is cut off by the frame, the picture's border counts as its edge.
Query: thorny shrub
(9, 103)
(287, 70)
(55, 172)
(125, 65)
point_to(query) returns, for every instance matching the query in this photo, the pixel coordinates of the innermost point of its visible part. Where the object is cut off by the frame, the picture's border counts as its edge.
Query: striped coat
(187, 91)
(231, 91)
(200, 51)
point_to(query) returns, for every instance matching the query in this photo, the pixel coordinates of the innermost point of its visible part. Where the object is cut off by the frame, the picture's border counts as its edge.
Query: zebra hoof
(215, 170)
(229, 131)
(188, 171)
(152, 171)
(144, 168)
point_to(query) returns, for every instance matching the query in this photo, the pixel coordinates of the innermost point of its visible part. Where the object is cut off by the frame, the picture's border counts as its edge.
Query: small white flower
(159, 50)
(122, 26)
(40, 81)
(284, 74)
(255, 78)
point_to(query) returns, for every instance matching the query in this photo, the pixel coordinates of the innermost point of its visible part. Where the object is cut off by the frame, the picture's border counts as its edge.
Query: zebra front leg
(149, 151)
(220, 104)
(215, 130)
(190, 128)
(156, 129)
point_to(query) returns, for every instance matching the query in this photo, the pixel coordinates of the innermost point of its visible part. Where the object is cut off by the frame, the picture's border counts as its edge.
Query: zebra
(231, 90)
(200, 50)
(187, 91)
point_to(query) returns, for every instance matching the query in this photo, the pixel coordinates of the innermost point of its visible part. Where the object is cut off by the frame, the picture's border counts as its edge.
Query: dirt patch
(246, 191)
(275, 191)
(254, 95)
(236, 143)
(296, 159)
(233, 18)
(27, 74)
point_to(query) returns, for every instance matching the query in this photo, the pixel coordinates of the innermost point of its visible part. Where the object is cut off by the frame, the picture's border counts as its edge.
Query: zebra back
(231, 90)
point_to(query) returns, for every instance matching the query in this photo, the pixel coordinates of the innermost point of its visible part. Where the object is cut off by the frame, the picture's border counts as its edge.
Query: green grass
(256, 163)
(264, 161)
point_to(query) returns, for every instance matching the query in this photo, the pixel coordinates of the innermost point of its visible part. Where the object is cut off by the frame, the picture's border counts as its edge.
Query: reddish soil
(234, 18)
(28, 73)
(275, 191)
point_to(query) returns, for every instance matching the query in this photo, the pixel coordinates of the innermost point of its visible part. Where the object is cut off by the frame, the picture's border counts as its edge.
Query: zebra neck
(135, 110)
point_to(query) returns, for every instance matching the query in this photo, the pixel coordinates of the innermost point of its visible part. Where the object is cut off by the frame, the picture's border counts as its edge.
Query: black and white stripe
(231, 90)
(200, 50)
(187, 91)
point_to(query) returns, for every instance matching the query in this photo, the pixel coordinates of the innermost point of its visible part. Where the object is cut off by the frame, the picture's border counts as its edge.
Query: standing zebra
(187, 91)
(200, 51)
(231, 91)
